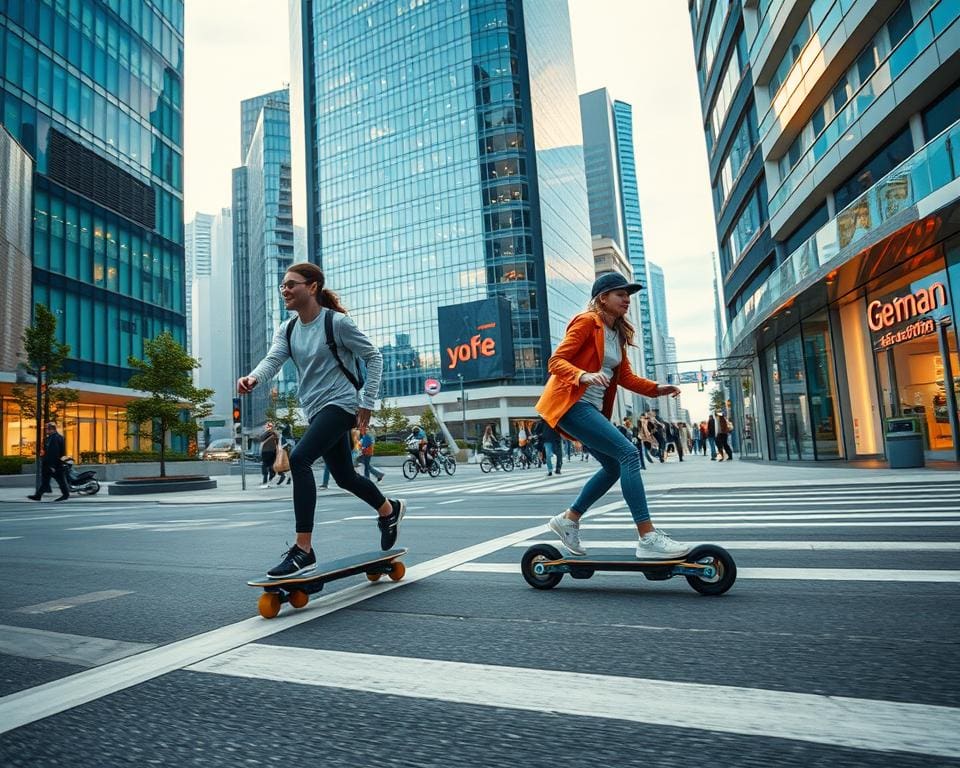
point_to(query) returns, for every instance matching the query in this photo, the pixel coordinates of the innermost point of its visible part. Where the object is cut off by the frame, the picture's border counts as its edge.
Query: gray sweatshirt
(322, 382)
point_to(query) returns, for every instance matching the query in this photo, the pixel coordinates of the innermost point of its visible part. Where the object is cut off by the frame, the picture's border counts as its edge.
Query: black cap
(612, 281)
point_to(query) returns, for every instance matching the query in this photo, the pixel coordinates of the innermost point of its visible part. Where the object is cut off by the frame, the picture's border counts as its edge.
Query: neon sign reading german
(882, 315)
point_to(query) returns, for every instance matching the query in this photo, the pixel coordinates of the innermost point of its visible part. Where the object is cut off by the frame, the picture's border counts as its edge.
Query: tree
(429, 422)
(285, 419)
(718, 401)
(389, 419)
(43, 353)
(174, 405)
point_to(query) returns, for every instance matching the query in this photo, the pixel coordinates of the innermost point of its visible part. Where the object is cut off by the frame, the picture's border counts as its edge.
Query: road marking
(761, 524)
(834, 720)
(666, 502)
(789, 574)
(789, 515)
(459, 517)
(10, 538)
(812, 546)
(166, 526)
(34, 518)
(70, 649)
(23, 707)
(449, 501)
(65, 603)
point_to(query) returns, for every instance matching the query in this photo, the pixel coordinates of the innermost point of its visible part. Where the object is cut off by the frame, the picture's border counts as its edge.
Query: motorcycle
(84, 483)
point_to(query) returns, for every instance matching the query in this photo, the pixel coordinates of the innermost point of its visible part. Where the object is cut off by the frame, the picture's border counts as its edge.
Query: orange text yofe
(471, 351)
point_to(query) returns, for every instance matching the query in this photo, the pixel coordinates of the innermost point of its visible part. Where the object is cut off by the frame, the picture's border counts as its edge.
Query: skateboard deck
(296, 590)
(709, 569)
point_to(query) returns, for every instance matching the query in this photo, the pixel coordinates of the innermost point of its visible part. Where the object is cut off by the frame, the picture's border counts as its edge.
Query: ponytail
(325, 297)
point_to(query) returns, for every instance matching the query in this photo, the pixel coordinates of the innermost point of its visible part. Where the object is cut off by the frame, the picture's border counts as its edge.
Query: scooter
(83, 483)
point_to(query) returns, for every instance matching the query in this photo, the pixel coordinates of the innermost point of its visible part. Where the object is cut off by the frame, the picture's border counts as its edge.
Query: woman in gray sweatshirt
(335, 400)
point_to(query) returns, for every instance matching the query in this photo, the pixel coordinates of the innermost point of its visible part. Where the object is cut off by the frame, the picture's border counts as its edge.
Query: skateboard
(709, 569)
(296, 590)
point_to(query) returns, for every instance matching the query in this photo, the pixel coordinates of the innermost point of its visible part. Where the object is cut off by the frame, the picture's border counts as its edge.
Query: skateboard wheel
(540, 553)
(298, 598)
(269, 605)
(374, 576)
(397, 570)
(723, 564)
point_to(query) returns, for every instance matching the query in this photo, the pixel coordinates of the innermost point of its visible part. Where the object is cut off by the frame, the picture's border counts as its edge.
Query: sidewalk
(695, 472)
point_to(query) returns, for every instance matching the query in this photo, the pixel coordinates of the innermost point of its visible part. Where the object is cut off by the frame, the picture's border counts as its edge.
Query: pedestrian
(724, 428)
(367, 441)
(660, 436)
(550, 439)
(712, 437)
(51, 464)
(695, 439)
(586, 370)
(269, 441)
(326, 346)
(703, 438)
(645, 436)
(675, 437)
(282, 464)
(631, 435)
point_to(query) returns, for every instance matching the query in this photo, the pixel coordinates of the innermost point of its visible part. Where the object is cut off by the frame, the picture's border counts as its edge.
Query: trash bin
(904, 442)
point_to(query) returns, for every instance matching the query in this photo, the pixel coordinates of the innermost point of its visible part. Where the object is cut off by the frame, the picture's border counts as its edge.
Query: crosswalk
(873, 533)
(879, 537)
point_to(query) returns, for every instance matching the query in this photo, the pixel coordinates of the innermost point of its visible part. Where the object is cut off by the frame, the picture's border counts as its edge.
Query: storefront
(886, 348)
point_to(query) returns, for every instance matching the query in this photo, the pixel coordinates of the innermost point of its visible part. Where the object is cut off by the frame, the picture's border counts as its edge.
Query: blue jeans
(712, 442)
(618, 459)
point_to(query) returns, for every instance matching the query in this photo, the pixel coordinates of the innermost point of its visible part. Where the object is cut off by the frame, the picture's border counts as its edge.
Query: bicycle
(445, 460)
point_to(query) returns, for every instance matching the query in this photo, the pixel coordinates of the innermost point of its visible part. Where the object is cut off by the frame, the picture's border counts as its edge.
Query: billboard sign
(476, 340)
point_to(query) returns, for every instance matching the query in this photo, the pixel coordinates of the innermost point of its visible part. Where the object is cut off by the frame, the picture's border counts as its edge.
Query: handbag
(281, 464)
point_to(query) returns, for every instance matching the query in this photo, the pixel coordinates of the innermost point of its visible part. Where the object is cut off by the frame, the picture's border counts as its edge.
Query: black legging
(723, 445)
(329, 436)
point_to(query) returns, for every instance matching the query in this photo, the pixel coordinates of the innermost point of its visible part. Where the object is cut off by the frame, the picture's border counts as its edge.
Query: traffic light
(236, 410)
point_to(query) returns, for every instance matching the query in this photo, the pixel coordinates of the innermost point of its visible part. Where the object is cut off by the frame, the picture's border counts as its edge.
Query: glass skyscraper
(263, 240)
(614, 198)
(94, 92)
(444, 165)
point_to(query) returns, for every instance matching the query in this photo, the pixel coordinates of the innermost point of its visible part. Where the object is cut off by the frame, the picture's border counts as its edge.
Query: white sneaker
(569, 533)
(264, 485)
(657, 545)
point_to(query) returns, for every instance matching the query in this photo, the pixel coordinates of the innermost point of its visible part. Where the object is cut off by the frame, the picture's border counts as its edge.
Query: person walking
(550, 440)
(645, 435)
(269, 441)
(367, 441)
(675, 437)
(51, 464)
(703, 437)
(712, 438)
(724, 428)
(326, 346)
(586, 370)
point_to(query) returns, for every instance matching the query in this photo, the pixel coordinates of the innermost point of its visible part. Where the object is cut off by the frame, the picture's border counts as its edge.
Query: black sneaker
(390, 524)
(295, 561)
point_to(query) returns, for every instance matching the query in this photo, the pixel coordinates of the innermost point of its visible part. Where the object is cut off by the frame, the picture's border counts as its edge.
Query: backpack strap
(290, 323)
(355, 378)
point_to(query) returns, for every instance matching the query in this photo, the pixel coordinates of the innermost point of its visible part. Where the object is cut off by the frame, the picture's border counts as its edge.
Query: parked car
(224, 449)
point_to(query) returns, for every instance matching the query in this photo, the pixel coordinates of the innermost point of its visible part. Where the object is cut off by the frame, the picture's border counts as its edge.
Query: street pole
(39, 439)
(463, 413)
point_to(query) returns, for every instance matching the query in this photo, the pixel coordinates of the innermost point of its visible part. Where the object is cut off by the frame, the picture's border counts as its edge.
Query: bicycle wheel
(450, 465)
(434, 468)
(486, 465)
(410, 469)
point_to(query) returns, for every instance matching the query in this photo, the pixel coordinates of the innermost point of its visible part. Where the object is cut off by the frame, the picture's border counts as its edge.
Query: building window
(898, 149)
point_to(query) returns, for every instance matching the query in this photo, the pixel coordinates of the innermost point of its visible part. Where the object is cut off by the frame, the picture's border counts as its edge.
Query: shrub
(11, 465)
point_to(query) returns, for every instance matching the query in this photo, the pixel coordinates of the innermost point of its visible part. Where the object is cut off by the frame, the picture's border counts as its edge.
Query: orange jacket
(581, 351)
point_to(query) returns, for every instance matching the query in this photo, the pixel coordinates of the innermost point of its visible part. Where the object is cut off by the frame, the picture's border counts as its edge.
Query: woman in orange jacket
(585, 371)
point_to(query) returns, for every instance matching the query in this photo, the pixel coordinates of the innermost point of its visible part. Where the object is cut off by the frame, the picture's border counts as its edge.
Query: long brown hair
(313, 273)
(621, 325)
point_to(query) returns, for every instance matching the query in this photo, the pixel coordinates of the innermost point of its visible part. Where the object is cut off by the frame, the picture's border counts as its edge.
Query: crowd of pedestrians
(657, 439)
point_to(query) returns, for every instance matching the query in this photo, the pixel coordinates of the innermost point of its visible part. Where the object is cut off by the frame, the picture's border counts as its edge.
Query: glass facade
(94, 91)
(446, 167)
(263, 239)
(630, 199)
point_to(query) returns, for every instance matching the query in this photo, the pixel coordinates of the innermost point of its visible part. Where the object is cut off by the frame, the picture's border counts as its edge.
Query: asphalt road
(129, 637)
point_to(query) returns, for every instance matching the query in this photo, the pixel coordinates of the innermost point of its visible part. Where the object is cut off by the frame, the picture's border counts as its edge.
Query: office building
(613, 195)
(210, 252)
(263, 242)
(93, 91)
(444, 166)
(835, 143)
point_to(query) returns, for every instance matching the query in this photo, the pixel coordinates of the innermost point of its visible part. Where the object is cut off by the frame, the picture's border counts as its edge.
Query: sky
(640, 50)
